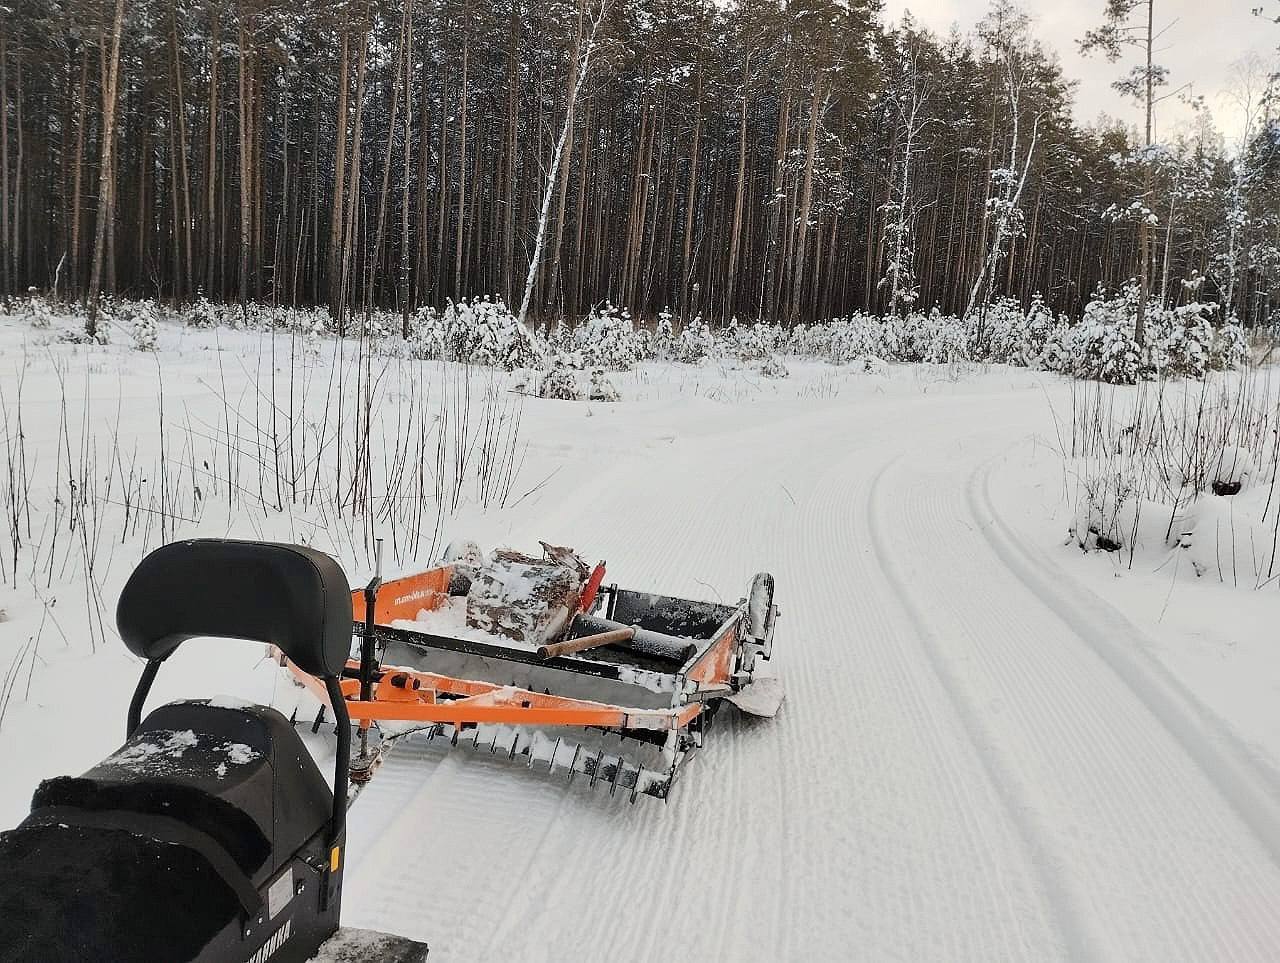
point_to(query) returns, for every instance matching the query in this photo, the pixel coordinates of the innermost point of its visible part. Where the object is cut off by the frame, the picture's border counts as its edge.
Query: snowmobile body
(210, 834)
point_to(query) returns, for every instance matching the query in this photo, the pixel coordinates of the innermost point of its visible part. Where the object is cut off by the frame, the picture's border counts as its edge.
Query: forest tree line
(786, 161)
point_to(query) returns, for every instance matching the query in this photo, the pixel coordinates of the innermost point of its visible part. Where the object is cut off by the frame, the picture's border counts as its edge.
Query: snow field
(992, 746)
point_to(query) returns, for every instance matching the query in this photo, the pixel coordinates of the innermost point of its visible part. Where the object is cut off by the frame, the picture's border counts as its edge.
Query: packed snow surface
(993, 746)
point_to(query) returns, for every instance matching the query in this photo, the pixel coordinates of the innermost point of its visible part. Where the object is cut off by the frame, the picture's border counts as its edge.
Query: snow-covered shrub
(426, 334)
(607, 339)
(143, 325)
(804, 340)
(1106, 513)
(758, 341)
(1183, 339)
(313, 342)
(202, 313)
(381, 325)
(663, 343)
(934, 338)
(645, 344)
(560, 383)
(521, 349)
(1037, 331)
(1107, 353)
(772, 367)
(1056, 353)
(1103, 346)
(1229, 347)
(558, 337)
(1008, 335)
(1178, 343)
(695, 343)
(1003, 333)
(478, 331)
(845, 340)
(37, 310)
(602, 389)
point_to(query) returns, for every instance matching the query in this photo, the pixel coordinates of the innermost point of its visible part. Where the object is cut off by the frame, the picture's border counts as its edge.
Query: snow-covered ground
(993, 746)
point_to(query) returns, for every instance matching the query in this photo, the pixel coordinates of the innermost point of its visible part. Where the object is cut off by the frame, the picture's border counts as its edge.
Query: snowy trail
(957, 773)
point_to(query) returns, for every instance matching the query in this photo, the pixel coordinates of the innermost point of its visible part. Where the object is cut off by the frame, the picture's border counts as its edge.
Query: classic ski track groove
(1085, 754)
(1078, 941)
(1245, 780)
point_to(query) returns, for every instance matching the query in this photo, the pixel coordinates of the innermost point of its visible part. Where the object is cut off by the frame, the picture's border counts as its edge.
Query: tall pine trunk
(106, 179)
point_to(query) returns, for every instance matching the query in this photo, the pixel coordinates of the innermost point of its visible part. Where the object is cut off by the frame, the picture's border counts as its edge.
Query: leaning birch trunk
(545, 210)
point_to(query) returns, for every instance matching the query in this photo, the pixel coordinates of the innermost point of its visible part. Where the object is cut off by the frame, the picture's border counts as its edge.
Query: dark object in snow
(210, 834)
(1105, 544)
(1223, 488)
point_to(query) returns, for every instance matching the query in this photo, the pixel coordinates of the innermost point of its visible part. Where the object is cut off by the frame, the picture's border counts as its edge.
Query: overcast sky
(1205, 39)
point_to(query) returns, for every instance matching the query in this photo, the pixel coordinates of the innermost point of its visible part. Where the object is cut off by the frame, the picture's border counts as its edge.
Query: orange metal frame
(405, 695)
(404, 598)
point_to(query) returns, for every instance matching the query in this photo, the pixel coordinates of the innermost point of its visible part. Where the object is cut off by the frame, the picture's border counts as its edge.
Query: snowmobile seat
(73, 892)
(240, 775)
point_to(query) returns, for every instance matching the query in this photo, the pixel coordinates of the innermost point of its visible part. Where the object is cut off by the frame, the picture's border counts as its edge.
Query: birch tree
(907, 94)
(579, 72)
(1006, 31)
(1250, 92)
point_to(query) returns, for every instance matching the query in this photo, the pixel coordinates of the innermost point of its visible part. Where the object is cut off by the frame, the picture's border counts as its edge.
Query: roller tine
(617, 774)
(315, 726)
(493, 746)
(475, 741)
(551, 765)
(573, 765)
(293, 717)
(456, 729)
(515, 744)
(595, 770)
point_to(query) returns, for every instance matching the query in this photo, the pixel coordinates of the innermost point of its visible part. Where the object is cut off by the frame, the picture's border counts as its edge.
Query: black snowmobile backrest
(288, 595)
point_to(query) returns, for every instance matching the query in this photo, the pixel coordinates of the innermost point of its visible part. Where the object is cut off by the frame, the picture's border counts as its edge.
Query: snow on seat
(241, 776)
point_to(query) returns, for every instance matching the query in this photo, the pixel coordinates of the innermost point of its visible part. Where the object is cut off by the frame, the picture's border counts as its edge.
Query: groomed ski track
(976, 760)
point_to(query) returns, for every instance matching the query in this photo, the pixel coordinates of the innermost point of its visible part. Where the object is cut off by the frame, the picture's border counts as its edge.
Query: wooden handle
(586, 642)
